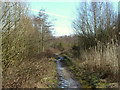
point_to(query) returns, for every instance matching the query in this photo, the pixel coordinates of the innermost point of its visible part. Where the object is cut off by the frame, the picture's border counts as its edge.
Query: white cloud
(60, 31)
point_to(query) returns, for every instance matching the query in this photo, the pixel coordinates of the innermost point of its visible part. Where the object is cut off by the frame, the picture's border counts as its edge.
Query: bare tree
(13, 41)
(94, 23)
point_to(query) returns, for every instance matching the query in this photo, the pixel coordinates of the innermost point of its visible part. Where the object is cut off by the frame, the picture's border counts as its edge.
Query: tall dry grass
(102, 59)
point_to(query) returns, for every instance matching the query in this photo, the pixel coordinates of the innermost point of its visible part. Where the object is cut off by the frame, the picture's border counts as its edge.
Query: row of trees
(23, 35)
(95, 22)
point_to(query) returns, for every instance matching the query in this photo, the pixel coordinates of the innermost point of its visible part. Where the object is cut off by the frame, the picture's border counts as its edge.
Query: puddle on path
(65, 78)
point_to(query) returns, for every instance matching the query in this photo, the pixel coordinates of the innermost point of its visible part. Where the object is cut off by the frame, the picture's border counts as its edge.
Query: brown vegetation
(27, 60)
(95, 52)
(37, 72)
(29, 48)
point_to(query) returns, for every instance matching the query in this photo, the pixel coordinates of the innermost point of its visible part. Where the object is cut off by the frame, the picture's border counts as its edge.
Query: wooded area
(23, 37)
(96, 26)
(28, 44)
(97, 30)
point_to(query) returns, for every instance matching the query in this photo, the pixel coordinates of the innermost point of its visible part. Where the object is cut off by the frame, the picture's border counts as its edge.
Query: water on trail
(65, 78)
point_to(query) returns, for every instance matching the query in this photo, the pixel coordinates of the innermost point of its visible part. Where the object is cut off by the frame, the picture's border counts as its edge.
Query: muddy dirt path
(66, 79)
